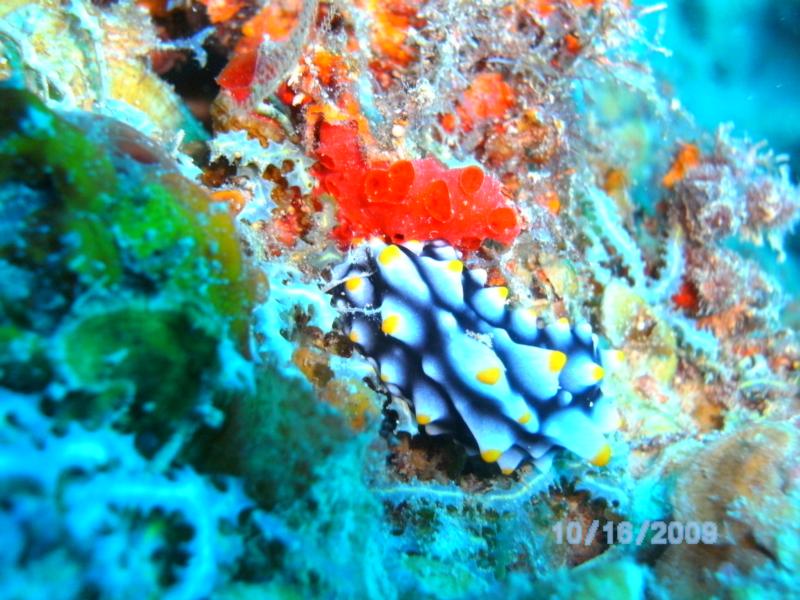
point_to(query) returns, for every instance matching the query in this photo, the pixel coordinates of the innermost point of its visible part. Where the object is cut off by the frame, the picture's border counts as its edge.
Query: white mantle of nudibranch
(469, 364)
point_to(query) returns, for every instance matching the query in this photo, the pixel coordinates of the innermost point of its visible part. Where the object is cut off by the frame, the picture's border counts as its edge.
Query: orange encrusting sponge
(410, 200)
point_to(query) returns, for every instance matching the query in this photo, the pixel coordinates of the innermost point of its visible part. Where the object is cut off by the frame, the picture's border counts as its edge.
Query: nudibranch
(470, 365)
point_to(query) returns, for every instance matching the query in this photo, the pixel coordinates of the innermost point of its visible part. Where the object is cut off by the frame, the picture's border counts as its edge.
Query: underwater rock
(634, 327)
(746, 482)
(167, 430)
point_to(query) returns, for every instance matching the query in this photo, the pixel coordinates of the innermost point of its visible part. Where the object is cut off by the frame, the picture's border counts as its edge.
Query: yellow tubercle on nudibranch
(490, 456)
(390, 324)
(455, 265)
(488, 376)
(602, 458)
(354, 284)
(557, 361)
(472, 366)
(389, 254)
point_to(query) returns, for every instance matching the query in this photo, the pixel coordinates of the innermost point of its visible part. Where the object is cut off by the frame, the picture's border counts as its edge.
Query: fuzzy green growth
(117, 222)
(276, 439)
(23, 363)
(126, 278)
(152, 360)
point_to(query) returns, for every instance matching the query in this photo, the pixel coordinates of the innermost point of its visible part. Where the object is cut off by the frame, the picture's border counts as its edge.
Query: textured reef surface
(415, 298)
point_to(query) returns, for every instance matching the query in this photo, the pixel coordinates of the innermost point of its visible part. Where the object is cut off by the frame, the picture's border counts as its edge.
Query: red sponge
(410, 200)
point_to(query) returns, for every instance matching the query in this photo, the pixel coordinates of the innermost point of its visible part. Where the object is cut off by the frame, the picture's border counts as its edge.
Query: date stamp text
(657, 533)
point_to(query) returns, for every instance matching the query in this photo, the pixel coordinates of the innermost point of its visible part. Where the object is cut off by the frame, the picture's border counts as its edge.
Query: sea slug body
(470, 365)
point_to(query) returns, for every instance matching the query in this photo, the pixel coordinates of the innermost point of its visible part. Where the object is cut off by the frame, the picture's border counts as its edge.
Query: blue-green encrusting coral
(125, 294)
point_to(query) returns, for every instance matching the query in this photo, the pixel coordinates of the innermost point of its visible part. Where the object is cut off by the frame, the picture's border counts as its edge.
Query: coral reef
(255, 260)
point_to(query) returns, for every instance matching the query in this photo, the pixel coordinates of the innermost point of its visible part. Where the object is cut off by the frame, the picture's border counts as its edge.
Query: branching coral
(736, 189)
(92, 494)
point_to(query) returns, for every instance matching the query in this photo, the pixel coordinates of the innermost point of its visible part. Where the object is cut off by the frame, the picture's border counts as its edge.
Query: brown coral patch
(578, 507)
(352, 397)
(427, 458)
(742, 482)
(530, 136)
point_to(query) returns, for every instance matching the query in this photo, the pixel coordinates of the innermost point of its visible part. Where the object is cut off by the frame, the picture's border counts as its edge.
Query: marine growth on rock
(398, 299)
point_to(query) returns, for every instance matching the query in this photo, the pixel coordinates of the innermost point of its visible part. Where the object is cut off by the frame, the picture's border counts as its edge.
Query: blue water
(736, 62)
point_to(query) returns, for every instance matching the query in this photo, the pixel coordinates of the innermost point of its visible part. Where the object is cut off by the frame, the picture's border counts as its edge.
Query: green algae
(44, 152)
(138, 355)
(116, 220)
(125, 280)
(23, 361)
